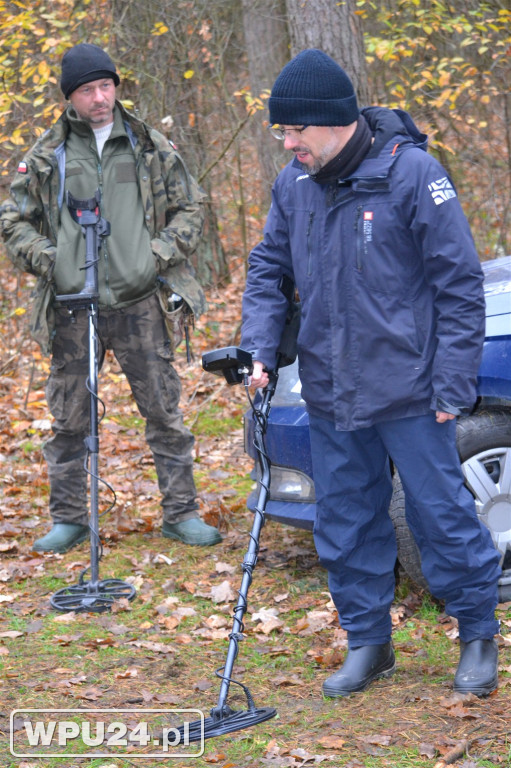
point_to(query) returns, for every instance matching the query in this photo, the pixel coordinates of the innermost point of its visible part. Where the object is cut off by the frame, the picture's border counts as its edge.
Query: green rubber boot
(63, 536)
(194, 531)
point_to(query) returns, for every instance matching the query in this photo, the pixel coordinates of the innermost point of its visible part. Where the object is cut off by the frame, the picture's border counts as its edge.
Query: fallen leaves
(67, 639)
(332, 741)
(9, 546)
(222, 593)
(216, 621)
(221, 567)
(289, 757)
(127, 673)
(329, 658)
(314, 622)
(287, 680)
(268, 619)
(458, 705)
(162, 649)
(378, 739)
(427, 750)
(151, 646)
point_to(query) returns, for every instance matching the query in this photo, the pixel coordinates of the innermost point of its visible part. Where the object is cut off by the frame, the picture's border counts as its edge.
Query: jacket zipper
(103, 244)
(358, 238)
(309, 244)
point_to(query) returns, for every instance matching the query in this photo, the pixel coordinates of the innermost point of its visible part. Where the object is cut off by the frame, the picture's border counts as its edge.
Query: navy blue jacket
(389, 281)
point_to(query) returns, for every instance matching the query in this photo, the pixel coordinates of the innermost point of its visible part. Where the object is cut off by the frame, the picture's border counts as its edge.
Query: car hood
(497, 292)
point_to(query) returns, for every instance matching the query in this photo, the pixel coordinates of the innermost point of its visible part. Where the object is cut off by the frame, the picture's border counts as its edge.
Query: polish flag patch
(368, 215)
(22, 167)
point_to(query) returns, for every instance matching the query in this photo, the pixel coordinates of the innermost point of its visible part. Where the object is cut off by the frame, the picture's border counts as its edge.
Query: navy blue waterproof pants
(355, 537)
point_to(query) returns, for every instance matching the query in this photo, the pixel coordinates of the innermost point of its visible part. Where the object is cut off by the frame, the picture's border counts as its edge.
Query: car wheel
(484, 444)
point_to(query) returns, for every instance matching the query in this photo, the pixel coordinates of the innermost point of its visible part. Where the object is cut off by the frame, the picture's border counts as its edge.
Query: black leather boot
(478, 667)
(361, 666)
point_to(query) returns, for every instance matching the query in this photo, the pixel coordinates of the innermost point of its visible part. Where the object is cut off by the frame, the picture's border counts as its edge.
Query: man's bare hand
(259, 377)
(441, 416)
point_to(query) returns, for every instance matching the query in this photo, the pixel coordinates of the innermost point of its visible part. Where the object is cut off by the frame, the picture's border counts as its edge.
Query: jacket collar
(393, 130)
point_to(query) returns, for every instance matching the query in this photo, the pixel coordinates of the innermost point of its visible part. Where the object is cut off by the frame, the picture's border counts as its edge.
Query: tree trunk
(335, 28)
(267, 46)
(163, 91)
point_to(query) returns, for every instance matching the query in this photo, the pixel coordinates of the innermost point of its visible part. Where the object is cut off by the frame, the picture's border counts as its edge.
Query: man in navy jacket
(369, 227)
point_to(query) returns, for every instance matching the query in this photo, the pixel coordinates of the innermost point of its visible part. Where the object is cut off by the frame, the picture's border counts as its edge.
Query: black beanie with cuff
(84, 63)
(313, 89)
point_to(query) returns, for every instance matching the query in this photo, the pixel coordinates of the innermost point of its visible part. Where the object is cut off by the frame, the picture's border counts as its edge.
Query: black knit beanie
(83, 63)
(313, 89)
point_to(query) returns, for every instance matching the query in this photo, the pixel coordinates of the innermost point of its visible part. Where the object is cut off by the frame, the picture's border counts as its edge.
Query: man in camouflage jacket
(155, 211)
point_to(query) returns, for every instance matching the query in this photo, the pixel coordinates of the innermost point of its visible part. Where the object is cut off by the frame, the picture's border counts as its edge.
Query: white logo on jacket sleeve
(441, 190)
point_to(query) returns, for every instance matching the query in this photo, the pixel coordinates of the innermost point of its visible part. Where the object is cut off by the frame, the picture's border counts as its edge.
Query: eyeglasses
(280, 133)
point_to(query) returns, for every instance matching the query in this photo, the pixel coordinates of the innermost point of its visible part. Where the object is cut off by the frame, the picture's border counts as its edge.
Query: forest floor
(161, 650)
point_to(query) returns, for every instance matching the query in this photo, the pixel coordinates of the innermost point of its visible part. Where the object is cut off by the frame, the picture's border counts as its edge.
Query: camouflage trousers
(140, 343)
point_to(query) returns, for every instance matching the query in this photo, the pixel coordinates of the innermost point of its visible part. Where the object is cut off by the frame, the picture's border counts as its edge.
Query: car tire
(484, 444)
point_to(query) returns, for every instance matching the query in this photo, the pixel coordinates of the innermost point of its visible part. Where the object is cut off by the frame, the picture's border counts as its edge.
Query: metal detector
(93, 595)
(235, 365)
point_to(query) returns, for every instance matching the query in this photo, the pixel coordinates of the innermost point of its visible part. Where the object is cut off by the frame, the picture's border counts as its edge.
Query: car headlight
(290, 485)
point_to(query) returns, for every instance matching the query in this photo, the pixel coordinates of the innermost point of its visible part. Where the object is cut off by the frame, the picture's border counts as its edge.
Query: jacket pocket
(125, 173)
(56, 390)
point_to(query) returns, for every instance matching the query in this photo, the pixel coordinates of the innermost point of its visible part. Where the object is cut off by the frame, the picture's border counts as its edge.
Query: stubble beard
(317, 162)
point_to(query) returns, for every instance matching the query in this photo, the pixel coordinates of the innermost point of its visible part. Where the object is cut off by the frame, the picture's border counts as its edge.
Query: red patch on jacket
(22, 167)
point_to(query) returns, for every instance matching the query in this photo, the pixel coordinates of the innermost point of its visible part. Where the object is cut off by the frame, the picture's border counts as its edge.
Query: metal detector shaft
(92, 444)
(250, 559)
(236, 366)
(94, 228)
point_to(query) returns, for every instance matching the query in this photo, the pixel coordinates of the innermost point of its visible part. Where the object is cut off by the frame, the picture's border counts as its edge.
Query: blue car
(484, 443)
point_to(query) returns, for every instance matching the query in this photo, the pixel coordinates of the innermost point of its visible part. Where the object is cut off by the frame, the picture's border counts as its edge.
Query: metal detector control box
(231, 362)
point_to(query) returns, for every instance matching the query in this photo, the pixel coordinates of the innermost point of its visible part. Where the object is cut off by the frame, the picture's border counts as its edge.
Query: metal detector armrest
(231, 362)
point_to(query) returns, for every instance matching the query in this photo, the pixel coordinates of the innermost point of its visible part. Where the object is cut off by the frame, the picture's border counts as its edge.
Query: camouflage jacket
(172, 201)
